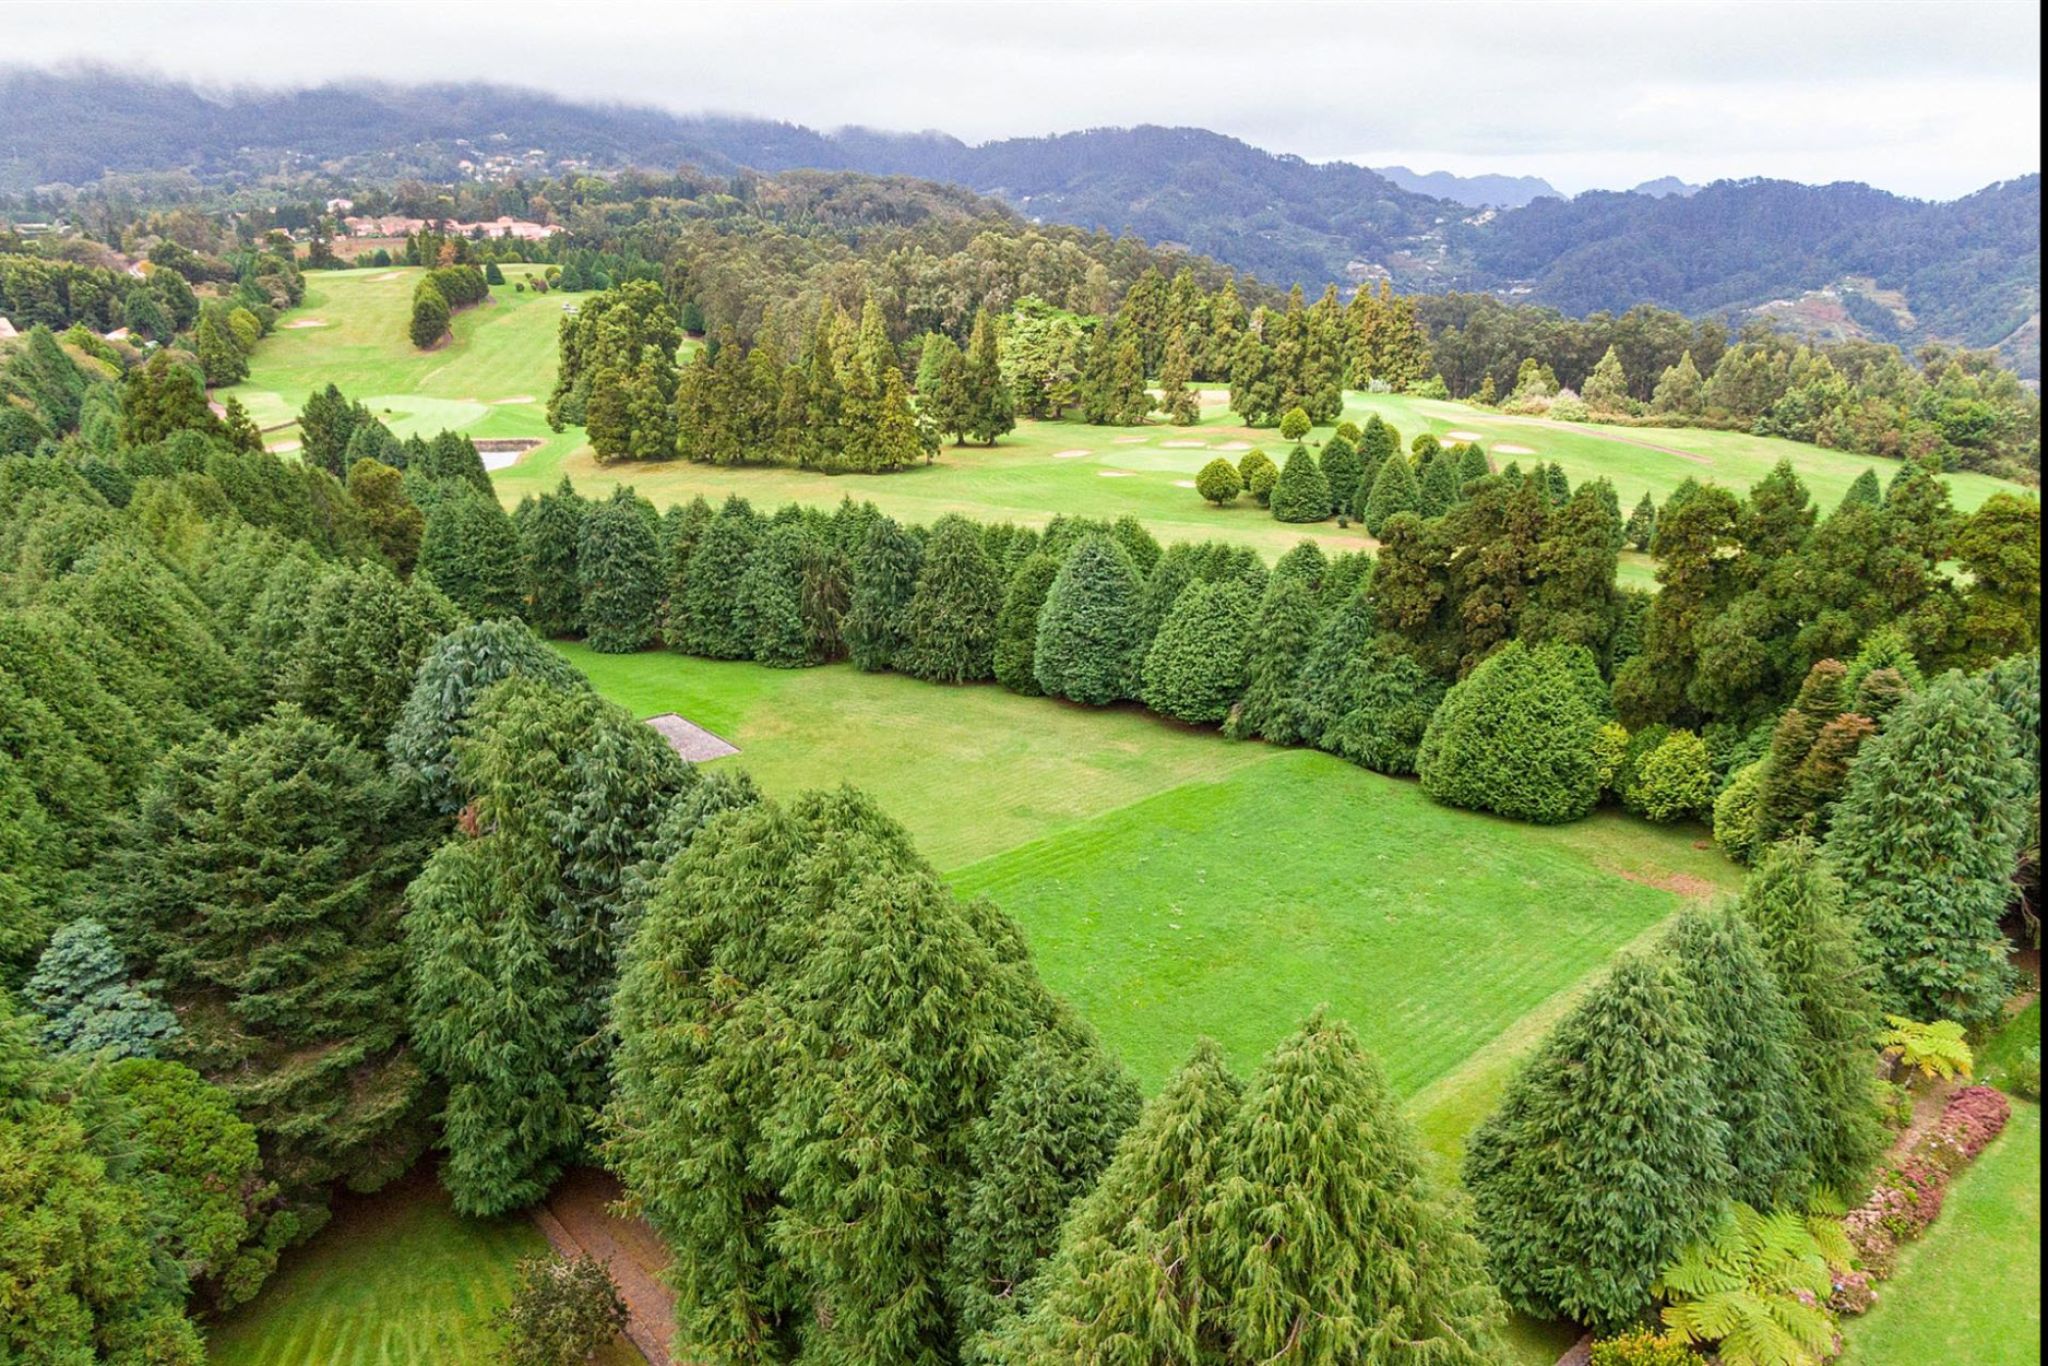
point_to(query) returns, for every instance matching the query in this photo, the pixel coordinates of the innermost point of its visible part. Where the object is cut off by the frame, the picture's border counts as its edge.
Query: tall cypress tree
(1604, 1158)
(1017, 623)
(1130, 1281)
(885, 574)
(1089, 644)
(1341, 469)
(952, 612)
(1385, 702)
(1285, 632)
(1393, 491)
(618, 572)
(709, 610)
(1319, 698)
(1327, 1238)
(1748, 1030)
(1795, 903)
(470, 551)
(768, 606)
(490, 1014)
(1050, 1128)
(1924, 841)
(992, 411)
(550, 535)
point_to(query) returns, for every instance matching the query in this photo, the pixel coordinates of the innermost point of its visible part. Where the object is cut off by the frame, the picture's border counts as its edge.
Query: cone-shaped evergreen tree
(1924, 840)
(1748, 1030)
(1516, 738)
(550, 533)
(1864, 491)
(709, 610)
(618, 570)
(490, 1013)
(1017, 624)
(1307, 562)
(1195, 670)
(1642, 523)
(1327, 1240)
(1129, 1282)
(1378, 443)
(1050, 1129)
(1437, 492)
(1301, 494)
(1282, 636)
(885, 572)
(1319, 696)
(1089, 639)
(89, 1004)
(769, 599)
(1823, 696)
(1393, 490)
(454, 674)
(1472, 464)
(1259, 473)
(1341, 469)
(1387, 700)
(952, 612)
(991, 410)
(1604, 1158)
(1795, 903)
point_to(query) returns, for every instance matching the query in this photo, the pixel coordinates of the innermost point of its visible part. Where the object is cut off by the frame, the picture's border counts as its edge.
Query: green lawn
(397, 1278)
(1970, 1289)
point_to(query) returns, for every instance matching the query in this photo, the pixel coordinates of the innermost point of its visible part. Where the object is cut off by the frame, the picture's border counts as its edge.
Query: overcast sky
(1930, 99)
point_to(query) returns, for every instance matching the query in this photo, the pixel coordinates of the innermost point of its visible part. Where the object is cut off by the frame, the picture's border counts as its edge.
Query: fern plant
(1932, 1050)
(1756, 1289)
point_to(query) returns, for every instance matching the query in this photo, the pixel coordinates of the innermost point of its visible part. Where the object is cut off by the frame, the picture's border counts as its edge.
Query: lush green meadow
(397, 1278)
(1970, 1288)
(1174, 883)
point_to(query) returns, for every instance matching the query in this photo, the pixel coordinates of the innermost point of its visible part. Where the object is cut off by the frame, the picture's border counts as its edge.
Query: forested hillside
(1965, 271)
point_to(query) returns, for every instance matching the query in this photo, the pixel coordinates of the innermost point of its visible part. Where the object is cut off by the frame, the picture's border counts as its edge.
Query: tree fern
(1757, 1287)
(1932, 1050)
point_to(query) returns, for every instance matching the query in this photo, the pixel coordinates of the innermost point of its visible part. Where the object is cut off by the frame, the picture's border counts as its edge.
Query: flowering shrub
(1854, 1293)
(1908, 1194)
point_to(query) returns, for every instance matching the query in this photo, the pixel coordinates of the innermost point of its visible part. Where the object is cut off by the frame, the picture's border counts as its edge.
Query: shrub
(1294, 426)
(1610, 748)
(1516, 738)
(1390, 699)
(1756, 1288)
(1641, 1348)
(1259, 474)
(1676, 781)
(562, 1311)
(1219, 482)
(2023, 1077)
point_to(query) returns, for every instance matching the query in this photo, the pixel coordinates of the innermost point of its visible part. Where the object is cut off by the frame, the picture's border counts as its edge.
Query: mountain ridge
(1968, 268)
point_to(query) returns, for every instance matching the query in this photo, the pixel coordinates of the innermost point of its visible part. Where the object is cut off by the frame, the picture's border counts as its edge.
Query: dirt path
(577, 1218)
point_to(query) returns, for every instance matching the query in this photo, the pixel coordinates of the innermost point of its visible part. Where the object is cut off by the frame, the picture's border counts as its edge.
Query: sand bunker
(1504, 448)
(1116, 474)
(1235, 446)
(1185, 445)
(500, 453)
(516, 398)
(281, 447)
(1464, 436)
(297, 323)
(694, 743)
(387, 275)
(1128, 441)
(1069, 455)
(1183, 483)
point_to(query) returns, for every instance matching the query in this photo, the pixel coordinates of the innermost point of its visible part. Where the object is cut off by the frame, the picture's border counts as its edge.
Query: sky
(1927, 99)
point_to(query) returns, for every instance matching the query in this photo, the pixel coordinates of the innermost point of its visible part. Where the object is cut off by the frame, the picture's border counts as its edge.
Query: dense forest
(1968, 271)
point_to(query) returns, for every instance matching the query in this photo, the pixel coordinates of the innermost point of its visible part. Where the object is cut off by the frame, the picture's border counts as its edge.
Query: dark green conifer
(1089, 644)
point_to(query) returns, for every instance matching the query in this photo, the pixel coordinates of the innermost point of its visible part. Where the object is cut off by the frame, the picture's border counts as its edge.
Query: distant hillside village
(397, 225)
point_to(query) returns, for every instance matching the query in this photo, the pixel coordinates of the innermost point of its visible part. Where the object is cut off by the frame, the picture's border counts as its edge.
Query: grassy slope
(398, 1277)
(1970, 1289)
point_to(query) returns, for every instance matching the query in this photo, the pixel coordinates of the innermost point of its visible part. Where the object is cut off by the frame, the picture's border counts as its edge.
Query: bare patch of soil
(1508, 448)
(1070, 455)
(297, 323)
(1687, 885)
